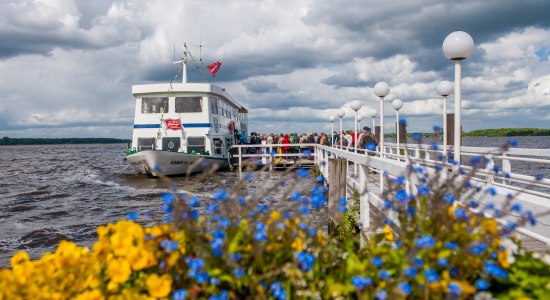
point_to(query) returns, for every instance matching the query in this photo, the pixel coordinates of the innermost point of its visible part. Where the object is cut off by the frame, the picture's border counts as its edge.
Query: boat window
(146, 144)
(213, 105)
(188, 104)
(218, 146)
(154, 105)
(195, 144)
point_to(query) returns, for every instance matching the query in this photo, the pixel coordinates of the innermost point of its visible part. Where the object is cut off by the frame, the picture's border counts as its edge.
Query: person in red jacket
(286, 140)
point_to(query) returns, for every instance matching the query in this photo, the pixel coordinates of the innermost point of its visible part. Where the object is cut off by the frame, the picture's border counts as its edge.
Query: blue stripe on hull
(188, 125)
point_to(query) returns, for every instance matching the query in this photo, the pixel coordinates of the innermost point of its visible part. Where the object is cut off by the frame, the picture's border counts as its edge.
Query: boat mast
(183, 62)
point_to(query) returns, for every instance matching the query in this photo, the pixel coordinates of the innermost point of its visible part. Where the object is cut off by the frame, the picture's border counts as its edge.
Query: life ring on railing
(231, 128)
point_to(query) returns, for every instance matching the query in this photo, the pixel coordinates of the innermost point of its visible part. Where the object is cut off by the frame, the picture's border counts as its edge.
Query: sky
(67, 66)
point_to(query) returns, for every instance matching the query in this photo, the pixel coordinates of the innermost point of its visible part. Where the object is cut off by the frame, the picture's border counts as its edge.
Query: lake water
(49, 193)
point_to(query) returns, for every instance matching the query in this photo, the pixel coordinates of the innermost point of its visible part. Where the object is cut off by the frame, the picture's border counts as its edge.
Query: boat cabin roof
(156, 88)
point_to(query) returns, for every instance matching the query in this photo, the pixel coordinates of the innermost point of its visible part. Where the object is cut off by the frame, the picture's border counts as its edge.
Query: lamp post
(444, 89)
(359, 119)
(458, 46)
(341, 113)
(356, 106)
(373, 114)
(397, 104)
(381, 89)
(331, 119)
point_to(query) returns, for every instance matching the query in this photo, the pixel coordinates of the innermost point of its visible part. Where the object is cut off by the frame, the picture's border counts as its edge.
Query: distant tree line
(42, 141)
(509, 132)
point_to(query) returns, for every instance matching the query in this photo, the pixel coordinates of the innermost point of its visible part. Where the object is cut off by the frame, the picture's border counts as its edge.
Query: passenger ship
(183, 128)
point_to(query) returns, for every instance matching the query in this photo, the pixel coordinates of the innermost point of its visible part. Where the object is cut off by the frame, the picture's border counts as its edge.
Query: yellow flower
(388, 234)
(90, 295)
(19, 258)
(490, 226)
(297, 245)
(121, 243)
(503, 258)
(138, 258)
(275, 215)
(159, 286)
(119, 270)
(466, 287)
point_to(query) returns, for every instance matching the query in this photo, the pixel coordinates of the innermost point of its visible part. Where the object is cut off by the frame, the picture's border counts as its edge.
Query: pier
(364, 172)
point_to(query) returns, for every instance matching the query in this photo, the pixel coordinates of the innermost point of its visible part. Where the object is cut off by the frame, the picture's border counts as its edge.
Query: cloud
(70, 64)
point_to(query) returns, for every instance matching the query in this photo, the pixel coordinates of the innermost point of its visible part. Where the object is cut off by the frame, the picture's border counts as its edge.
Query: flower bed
(238, 247)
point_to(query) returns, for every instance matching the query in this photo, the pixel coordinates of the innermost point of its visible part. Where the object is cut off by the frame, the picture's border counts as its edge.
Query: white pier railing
(533, 195)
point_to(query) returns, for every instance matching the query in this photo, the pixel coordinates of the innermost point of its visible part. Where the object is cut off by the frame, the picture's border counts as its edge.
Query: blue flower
(539, 177)
(384, 274)
(180, 294)
(422, 190)
(402, 196)
(454, 289)
(278, 291)
(477, 249)
(223, 295)
(426, 241)
(400, 180)
(388, 204)
(451, 245)
(360, 282)
(320, 179)
(224, 223)
(132, 216)
(168, 198)
(194, 202)
(449, 198)
(513, 142)
(460, 212)
(381, 295)
(202, 277)
(493, 269)
(195, 214)
(211, 208)
(443, 262)
(342, 206)
(435, 146)
(418, 262)
(411, 272)
(214, 281)
(376, 261)
(405, 288)
(238, 272)
(431, 275)
(304, 210)
(491, 191)
(473, 204)
(249, 176)
(221, 195)
(482, 285)
(305, 260)
(302, 172)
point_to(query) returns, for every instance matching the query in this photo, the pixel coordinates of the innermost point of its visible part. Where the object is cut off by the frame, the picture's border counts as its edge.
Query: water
(51, 193)
(54, 192)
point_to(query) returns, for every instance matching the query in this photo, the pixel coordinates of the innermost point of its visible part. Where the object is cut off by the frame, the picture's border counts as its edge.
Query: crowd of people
(364, 139)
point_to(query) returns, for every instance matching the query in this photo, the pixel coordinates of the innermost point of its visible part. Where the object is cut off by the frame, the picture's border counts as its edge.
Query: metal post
(382, 150)
(355, 144)
(332, 134)
(340, 138)
(458, 127)
(445, 126)
(397, 131)
(240, 160)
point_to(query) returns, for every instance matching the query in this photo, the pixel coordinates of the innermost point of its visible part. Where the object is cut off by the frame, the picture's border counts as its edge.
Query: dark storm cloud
(24, 30)
(418, 28)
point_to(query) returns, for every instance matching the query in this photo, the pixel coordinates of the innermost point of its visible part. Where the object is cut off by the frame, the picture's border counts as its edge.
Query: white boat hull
(168, 163)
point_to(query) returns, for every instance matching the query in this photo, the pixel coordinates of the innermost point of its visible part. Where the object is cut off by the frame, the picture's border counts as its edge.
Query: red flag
(214, 68)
